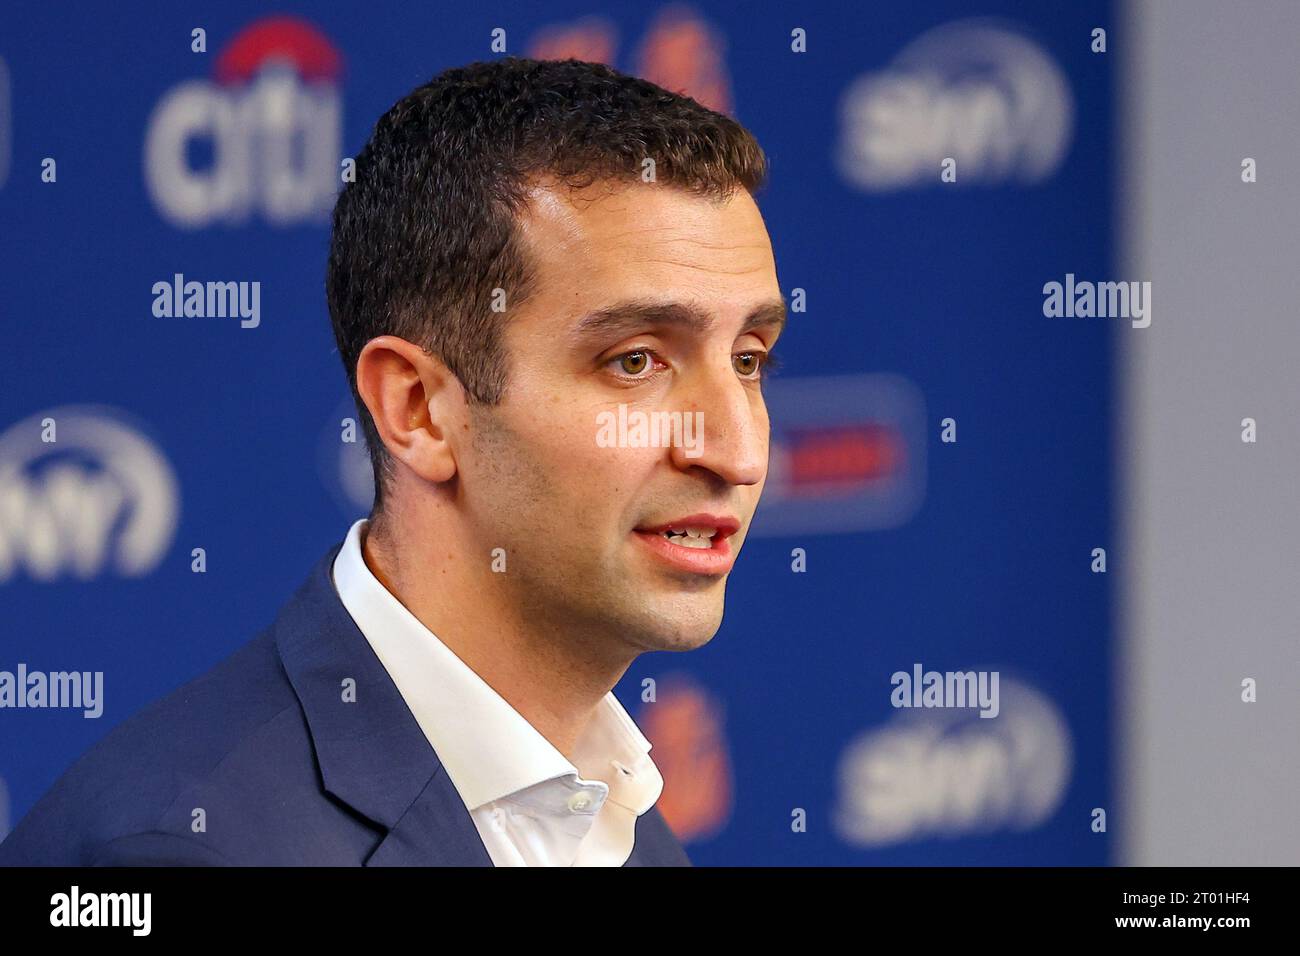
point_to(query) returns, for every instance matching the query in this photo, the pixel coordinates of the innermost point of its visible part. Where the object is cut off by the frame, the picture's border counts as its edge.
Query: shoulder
(161, 781)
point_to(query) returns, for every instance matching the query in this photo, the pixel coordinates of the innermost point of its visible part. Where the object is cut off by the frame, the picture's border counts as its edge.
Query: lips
(693, 543)
(725, 525)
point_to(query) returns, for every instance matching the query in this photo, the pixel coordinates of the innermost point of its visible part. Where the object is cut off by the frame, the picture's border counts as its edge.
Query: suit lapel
(655, 843)
(372, 754)
(422, 837)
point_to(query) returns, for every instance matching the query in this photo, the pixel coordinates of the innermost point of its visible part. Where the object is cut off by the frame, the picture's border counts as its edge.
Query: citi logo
(973, 91)
(83, 493)
(270, 122)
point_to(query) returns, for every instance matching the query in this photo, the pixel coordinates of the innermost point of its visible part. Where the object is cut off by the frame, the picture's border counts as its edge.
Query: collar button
(579, 802)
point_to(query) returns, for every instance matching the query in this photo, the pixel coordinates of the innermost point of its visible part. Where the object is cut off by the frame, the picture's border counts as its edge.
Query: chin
(688, 632)
(677, 642)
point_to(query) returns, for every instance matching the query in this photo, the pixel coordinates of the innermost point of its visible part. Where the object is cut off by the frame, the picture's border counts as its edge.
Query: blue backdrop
(916, 300)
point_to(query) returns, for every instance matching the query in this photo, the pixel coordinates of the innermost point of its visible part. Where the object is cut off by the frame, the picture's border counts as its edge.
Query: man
(533, 255)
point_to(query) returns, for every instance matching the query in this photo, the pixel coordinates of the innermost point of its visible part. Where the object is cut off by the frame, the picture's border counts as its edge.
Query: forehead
(615, 241)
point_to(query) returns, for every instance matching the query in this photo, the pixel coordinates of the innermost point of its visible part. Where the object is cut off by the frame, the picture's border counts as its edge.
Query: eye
(634, 364)
(754, 365)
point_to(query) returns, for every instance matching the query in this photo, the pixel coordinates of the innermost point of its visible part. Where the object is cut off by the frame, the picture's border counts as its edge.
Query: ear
(417, 404)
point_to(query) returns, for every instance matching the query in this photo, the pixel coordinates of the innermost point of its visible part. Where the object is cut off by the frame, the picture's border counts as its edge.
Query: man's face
(554, 474)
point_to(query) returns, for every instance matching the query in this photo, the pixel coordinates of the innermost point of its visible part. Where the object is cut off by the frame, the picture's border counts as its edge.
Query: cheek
(580, 484)
(587, 485)
(618, 474)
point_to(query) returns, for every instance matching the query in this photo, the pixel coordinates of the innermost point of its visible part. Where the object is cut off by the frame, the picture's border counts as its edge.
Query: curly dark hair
(427, 231)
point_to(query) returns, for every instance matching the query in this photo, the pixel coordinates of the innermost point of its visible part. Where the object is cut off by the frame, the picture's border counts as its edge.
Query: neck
(553, 675)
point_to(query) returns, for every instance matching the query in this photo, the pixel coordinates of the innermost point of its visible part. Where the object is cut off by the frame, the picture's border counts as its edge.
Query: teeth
(700, 538)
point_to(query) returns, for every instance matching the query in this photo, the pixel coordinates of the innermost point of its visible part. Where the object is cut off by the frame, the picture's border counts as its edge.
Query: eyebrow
(627, 317)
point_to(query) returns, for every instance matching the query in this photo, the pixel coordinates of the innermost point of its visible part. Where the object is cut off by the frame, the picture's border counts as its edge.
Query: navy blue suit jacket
(284, 772)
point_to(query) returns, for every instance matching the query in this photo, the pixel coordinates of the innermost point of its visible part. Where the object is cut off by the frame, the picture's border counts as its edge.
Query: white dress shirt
(532, 807)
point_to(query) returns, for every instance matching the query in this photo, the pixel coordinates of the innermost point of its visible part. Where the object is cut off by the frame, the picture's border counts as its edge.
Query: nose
(729, 428)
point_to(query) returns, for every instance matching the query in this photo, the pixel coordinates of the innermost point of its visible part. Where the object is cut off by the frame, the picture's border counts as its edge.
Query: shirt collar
(488, 748)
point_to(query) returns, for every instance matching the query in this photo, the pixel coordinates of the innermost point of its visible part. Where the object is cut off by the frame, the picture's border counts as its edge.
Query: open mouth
(699, 538)
(697, 543)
